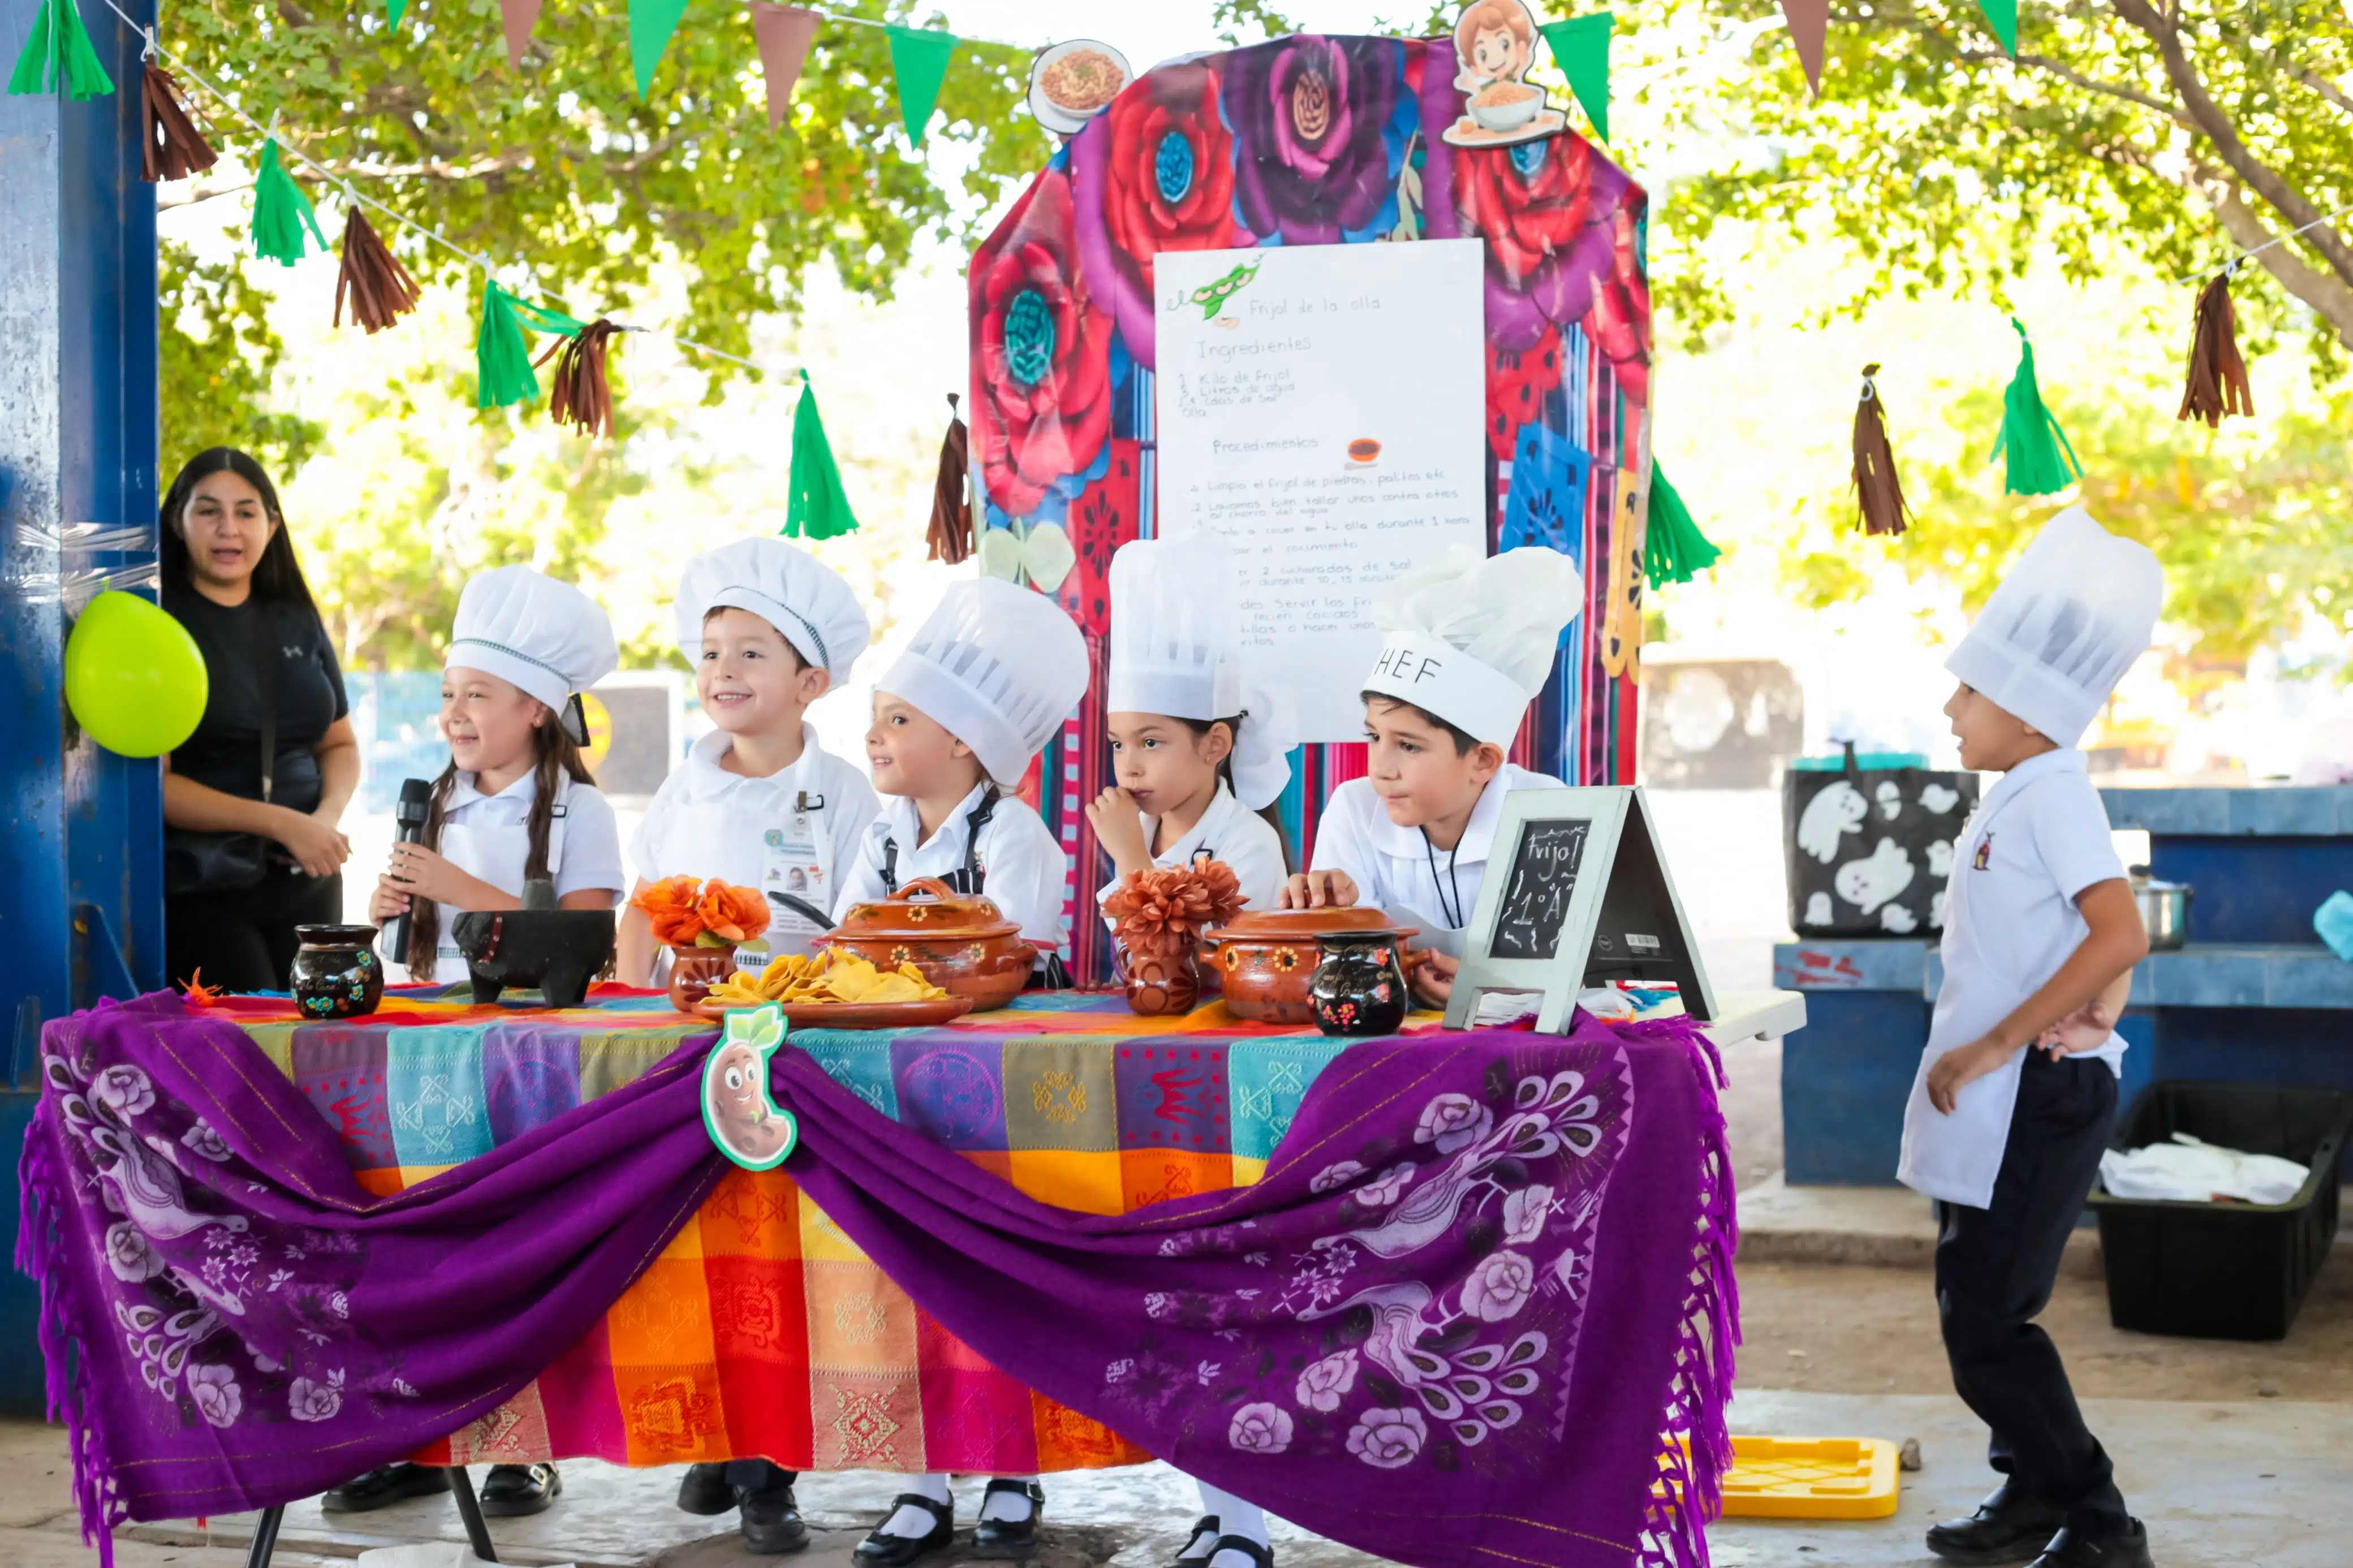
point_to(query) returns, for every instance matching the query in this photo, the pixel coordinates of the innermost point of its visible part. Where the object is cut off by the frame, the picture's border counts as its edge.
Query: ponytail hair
(1270, 815)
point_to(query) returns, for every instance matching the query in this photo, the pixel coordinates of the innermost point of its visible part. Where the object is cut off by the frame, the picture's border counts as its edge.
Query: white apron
(795, 864)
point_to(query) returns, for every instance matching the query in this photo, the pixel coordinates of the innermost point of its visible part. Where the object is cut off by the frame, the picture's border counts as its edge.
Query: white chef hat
(2063, 625)
(1472, 637)
(1262, 759)
(997, 667)
(545, 636)
(784, 585)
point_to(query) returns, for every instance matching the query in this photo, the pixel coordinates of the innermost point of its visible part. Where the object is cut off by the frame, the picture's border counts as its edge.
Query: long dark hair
(556, 754)
(1270, 814)
(277, 575)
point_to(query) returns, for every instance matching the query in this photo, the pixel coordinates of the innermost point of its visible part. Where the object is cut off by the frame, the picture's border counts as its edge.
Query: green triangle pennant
(820, 507)
(393, 9)
(2041, 460)
(280, 212)
(919, 58)
(1673, 549)
(58, 53)
(2002, 15)
(651, 23)
(1581, 46)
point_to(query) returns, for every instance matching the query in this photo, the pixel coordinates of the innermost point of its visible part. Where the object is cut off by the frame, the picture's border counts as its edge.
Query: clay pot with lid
(1266, 959)
(963, 944)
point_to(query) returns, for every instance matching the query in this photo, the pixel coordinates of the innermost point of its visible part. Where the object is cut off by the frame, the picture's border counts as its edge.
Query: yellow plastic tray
(1810, 1478)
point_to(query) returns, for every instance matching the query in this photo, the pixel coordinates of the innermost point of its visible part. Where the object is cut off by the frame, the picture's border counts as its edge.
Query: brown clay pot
(963, 945)
(1159, 986)
(1266, 959)
(693, 971)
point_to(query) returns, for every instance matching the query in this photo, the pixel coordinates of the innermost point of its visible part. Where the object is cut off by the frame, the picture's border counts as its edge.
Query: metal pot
(2164, 909)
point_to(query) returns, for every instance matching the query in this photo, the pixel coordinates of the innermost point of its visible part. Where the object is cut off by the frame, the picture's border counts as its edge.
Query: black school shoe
(517, 1491)
(704, 1491)
(1206, 1525)
(384, 1486)
(772, 1522)
(1009, 1540)
(2125, 1548)
(881, 1551)
(2011, 1526)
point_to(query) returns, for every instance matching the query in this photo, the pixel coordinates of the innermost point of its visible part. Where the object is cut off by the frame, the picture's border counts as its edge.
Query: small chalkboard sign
(1576, 894)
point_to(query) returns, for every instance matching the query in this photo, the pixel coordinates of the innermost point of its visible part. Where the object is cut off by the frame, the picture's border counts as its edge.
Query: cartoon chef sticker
(1495, 44)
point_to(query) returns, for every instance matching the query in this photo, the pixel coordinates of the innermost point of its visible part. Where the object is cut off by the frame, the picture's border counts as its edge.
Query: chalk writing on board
(1535, 899)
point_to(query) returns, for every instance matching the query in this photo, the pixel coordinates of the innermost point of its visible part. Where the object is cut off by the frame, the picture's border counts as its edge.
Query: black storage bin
(2227, 1271)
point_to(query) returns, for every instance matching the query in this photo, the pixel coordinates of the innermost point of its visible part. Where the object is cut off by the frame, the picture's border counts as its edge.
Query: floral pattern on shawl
(1040, 380)
(1317, 151)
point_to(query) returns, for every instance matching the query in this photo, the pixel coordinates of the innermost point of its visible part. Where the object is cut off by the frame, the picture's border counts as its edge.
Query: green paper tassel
(1673, 549)
(819, 507)
(280, 212)
(2041, 460)
(919, 60)
(59, 51)
(503, 372)
(1580, 46)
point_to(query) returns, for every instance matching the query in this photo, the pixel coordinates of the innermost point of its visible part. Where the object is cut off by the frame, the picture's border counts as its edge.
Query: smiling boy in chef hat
(2017, 1087)
(1470, 641)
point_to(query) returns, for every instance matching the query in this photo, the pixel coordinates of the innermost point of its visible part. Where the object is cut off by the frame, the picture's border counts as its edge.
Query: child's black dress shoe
(704, 1491)
(881, 1551)
(1009, 1540)
(2071, 1548)
(2011, 1526)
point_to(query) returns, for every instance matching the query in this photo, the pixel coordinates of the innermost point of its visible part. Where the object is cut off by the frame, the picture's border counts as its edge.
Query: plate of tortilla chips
(838, 990)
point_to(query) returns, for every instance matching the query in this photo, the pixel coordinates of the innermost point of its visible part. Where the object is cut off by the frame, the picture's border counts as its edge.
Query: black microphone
(416, 804)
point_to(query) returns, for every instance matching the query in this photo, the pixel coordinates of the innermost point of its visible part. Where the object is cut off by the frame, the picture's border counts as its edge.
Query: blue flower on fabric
(1172, 166)
(1028, 338)
(742, 1119)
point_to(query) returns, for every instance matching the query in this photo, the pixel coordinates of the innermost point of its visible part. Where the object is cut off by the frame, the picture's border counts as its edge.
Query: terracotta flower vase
(1160, 985)
(693, 971)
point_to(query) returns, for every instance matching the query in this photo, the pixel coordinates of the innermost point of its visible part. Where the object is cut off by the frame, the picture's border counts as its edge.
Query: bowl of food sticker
(1070, 83)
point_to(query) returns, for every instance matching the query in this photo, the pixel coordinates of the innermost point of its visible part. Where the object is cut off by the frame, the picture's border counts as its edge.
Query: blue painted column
(81, 907)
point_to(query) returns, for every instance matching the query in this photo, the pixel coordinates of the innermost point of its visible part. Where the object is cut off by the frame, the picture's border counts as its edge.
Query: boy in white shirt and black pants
(2017, 1089)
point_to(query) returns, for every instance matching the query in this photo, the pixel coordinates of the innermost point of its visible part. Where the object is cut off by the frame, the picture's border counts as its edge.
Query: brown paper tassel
(2218, 377)
(1876, 488)
(950, 536)
(379, 287)
(172, 148)
(581, 394)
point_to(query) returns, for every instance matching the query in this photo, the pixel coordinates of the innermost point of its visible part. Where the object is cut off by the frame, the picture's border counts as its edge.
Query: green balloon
(134, 677)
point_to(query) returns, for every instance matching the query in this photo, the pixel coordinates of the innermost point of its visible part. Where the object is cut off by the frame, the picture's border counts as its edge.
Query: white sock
(1235, 1517)
(1008, 1507)
(915, 1523)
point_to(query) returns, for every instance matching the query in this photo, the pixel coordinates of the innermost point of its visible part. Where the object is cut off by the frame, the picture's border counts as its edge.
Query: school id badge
(794, 878)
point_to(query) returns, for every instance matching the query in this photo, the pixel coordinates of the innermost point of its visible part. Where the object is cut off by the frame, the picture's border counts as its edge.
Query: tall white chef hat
(1176, 649)
(545, 636)
(1472, 637)
(2063, 625)
(998, 667)
(784, 585)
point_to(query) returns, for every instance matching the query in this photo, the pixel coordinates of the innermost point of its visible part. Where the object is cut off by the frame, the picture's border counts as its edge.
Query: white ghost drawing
(1828, 818)
(1939, 798)
(1817, 909)
(1890, 799)
(1867, 884)
(1937, 910)
(1897, 919)
(1940, 858)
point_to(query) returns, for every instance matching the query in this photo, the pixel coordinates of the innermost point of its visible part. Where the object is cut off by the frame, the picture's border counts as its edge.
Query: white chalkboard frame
(1617, 814)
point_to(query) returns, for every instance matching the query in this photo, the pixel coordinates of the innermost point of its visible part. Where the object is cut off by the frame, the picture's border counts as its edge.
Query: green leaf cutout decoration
(58, 51)
(1581, 46)
(820, 507)
(2041, 460)
(280, 212)
(1673, 549)
(919, 60)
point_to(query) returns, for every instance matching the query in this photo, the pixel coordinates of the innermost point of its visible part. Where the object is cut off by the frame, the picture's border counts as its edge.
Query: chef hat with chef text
(528, 630)
(1472, 638)
(997, 667)
(2063, 625)
(784, 585)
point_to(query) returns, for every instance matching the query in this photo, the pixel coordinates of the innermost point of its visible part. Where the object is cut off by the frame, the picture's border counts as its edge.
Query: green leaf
(919, 61)
(2030, 434)
(280, 212)
(820, 507)
(651, 23)
(1673, 549)
(59, 51)
(1581, 46)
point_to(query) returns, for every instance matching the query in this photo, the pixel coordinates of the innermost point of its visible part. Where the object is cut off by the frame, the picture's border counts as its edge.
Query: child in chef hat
(1470, 641)
(1200, 756)
(985, 683)
(2017, 1085)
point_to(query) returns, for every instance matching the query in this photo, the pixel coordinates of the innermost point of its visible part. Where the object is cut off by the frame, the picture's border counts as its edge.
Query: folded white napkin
(2189, 1170)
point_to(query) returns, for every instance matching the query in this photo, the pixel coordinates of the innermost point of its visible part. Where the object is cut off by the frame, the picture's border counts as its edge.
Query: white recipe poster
(1321, 409)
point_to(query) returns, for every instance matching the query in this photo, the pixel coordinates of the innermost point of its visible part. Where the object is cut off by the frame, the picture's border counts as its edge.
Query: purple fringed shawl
(1478, 1312)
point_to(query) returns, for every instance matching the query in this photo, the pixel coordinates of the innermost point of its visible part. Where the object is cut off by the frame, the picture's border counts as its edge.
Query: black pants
(1995, 1267)
(245, 941)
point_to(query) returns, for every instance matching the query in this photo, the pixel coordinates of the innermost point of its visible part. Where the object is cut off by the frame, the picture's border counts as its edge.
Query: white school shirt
(1396, 870)
(1231, 832)
(2038, 839)
(793, 832)
(489, 835)
(1022, 868)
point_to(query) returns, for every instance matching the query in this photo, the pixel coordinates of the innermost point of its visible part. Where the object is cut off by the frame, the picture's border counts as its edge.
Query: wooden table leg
(264, 1538)
(469, 1509)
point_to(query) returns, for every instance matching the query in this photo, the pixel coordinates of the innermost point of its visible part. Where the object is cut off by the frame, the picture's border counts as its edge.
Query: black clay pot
(1359, 987)
(555, 952)
(336, 972)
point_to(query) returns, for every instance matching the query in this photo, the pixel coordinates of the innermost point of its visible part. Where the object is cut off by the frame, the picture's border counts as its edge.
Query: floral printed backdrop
(1315, 141)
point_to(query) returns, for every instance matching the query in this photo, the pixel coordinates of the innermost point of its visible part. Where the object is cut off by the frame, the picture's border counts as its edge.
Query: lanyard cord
(1454, 916)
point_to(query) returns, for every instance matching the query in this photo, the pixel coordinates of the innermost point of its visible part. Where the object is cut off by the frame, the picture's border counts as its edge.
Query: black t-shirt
(226, 751)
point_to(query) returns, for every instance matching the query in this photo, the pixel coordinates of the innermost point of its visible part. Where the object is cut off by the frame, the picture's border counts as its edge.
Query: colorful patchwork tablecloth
(1074, 1099)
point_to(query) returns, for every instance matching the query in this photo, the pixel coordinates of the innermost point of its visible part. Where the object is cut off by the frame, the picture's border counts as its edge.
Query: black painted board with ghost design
(1869, 849)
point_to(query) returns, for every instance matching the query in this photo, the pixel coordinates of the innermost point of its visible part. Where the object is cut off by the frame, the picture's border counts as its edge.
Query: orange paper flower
(1163, 912)
(687, 913)
(200, 994)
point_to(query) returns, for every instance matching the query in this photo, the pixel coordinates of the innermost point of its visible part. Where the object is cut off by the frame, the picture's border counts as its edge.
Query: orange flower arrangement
(1163, 912)
(200, 994)
(687, 913)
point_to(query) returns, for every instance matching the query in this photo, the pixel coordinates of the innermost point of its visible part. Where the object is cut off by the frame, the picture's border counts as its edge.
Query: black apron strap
(970, 878)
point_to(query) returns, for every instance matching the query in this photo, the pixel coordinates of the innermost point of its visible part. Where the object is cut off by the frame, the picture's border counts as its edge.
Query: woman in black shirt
(252, 799)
